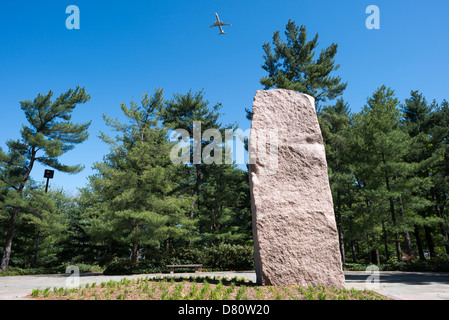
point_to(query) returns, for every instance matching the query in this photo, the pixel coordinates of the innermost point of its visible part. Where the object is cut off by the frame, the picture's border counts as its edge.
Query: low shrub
(229, 257)
(215, 258)
(438, 264)
(14, 271)
(83, 268)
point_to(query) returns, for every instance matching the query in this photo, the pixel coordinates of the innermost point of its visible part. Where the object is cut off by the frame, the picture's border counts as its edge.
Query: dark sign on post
(49, 174)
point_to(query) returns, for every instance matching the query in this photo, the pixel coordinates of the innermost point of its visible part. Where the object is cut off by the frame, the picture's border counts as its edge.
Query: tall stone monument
(294, 228)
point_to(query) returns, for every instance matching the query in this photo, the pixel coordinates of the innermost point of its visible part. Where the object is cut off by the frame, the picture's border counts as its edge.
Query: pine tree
(74, 245)
(45, 214)
(440, 133)
(334, 122)
(180, 113)
(132, 201)
(44, 140)
(291, 65)
(225, 212)
(379, 147)
(427, 126)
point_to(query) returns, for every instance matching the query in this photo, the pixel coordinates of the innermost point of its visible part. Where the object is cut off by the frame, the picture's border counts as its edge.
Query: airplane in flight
(219, 23)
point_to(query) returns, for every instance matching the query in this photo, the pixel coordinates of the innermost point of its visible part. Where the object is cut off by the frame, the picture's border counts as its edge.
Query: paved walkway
(396, 285)
(403, 285)
(17, 287)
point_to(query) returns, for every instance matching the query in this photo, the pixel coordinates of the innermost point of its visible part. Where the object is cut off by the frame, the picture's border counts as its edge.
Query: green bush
(83, 268)
(229, 257)
(14, 271)
(438, 264)
(215, 258)
(120, 267)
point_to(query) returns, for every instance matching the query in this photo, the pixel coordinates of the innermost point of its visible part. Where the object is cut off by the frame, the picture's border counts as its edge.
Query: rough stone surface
(294, 228)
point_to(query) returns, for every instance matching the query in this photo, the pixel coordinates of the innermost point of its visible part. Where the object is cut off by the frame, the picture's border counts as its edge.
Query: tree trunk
(354, 255)
(168, 246)
(419, 244)
(196, 189)
(135, 252)
(429, 239)
(440, 214)
(387, 252)
(374, 252)
(340, 229)
(376, 256)
(397, 242)
(370, 251)
(12, 222)
(37, 249)
(393, 217)
(408, 242)
(8, 244)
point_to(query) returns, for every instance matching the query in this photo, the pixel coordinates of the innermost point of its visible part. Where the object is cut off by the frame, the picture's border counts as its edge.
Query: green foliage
(291, 65)
(438, 264)
(220, 204)
(59, 269)
(229, 257)
(224, 214)
(130, 201)
(47, 134)
(217, 258)
(387, 170)
(43, 140)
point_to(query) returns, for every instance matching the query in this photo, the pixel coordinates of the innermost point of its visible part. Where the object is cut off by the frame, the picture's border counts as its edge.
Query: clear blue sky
(126, 48)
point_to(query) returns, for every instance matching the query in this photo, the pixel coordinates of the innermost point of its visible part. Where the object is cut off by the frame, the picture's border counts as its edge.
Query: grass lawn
(196, 288)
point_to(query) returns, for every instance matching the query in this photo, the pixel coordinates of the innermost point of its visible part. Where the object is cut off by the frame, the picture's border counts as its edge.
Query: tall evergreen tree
(440, 134)
(427, 124)
(74, 246)
(225, 213)
(380, 147)
(44, 140)
(180, 113)
(417, 123)
(334, 122)
(291, 65)
(131, 200)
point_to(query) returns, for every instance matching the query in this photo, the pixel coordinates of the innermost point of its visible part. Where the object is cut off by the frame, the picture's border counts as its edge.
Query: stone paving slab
(396, 285)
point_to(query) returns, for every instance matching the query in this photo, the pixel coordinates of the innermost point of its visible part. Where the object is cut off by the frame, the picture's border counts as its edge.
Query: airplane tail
(222, 33)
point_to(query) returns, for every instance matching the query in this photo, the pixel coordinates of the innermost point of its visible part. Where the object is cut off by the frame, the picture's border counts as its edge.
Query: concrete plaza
(395, 285)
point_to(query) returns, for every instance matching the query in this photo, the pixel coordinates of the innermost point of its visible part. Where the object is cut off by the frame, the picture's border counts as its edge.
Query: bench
(173, 266)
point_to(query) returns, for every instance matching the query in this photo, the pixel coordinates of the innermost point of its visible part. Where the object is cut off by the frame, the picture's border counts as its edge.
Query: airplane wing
(226, 24)
(214, 25)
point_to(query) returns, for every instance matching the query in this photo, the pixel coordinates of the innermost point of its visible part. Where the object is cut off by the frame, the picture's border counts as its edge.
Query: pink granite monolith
(294, 228)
